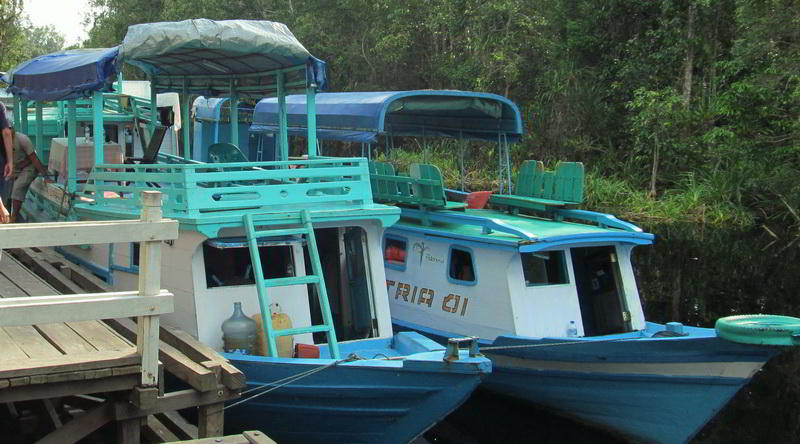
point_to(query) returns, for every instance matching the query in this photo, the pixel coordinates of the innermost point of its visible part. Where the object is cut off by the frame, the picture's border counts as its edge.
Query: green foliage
(707, 92)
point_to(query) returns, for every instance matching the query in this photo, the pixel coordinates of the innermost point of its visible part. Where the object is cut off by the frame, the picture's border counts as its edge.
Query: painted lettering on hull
(416, 295)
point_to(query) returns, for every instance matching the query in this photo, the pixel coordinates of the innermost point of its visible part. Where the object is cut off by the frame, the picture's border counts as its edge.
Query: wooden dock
(65, 373)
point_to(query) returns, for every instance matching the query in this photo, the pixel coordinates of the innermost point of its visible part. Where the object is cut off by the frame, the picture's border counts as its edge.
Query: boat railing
(194, 189)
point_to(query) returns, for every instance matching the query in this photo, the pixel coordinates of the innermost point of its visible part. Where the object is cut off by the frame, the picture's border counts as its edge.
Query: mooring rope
(274, 385)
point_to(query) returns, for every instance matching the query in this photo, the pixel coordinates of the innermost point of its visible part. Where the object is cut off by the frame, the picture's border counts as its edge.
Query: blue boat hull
(363, 401)
(655, 389)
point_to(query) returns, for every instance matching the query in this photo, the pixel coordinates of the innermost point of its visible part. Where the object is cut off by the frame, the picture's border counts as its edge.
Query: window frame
(472, 261)
(386, 262)
(564, 268)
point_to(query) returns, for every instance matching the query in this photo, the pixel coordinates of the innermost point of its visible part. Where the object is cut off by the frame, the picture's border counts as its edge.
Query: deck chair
(382, 189)
(431, 195)
(225, 153)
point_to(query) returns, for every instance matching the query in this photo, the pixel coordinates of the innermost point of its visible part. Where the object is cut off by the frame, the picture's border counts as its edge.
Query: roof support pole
(283, 131)
(311, 118)
(508, 161)
(39, 132)
(151, 127)
(17, 112)
(23, 115)
(72, 147)
(97, 119)
(185, 125)
(234, 115)
(500, 161)
(461, 144)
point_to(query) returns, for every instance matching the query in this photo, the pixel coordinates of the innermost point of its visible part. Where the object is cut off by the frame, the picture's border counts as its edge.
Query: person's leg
(20, 189)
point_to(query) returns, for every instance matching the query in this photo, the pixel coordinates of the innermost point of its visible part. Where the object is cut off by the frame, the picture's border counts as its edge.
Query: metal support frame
(234, 114)
(39, 132)
(72, 147)
(97, 120)
(283, 130)
(185, 126)
(311, 118)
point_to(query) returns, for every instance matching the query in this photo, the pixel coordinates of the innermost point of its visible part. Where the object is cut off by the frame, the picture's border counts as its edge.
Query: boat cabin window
(544, 268)
(229, 264)
(462, 267)
(394, 252)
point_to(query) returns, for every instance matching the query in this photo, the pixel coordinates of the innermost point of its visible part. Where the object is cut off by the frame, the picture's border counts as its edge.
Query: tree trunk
(688, 61)
(654, 172)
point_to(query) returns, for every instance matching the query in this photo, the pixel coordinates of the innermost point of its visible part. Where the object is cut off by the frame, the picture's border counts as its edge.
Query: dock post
(149, 285)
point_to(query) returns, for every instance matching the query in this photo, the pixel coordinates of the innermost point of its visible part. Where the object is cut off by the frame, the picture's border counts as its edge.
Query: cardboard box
(112, 153)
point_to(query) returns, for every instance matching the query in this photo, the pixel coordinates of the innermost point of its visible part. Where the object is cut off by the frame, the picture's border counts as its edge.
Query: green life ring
(760, 329)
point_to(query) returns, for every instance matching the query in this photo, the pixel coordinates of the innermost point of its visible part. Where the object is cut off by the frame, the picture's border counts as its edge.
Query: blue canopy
(363, 116)
(201, 55)
(70, 74)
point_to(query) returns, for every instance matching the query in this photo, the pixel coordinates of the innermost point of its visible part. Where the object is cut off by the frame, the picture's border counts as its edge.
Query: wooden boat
(290, 240)
(548, 288)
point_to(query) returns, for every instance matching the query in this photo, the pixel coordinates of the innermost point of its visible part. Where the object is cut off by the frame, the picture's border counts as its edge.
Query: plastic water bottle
(239, 332)
(572, 330)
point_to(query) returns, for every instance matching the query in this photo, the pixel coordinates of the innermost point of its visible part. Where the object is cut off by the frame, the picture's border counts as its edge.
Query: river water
(692, 275)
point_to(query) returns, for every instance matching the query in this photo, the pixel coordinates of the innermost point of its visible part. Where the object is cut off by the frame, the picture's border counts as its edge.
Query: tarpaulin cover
(362, 116)
(212, 48)
(70, 74)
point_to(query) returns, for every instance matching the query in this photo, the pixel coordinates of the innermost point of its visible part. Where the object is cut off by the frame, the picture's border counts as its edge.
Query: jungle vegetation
(682, 110)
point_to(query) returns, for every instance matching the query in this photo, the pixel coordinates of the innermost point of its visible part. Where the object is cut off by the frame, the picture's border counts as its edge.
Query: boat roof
(363, 116)
(207, 53)
(525, 232)
(204, 56)
(63, 75)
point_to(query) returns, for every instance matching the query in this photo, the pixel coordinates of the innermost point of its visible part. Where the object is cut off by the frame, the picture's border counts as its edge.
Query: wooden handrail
(147, 303)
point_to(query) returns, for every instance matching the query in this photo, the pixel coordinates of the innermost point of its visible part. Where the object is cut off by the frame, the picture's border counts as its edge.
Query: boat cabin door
(600, 294)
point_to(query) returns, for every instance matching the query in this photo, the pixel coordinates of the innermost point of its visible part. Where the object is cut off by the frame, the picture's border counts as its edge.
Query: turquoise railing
(217, 190)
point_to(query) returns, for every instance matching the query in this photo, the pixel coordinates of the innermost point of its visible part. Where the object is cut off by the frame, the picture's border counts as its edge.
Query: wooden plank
(24, 279)
(87, 232)
(81, 276)
(8, 289)
(232, 377)
(147, 341)
(31, 342)
(82, 307)
(129, 431)
(177, 363)
(8, 348)
(101, 336)
(81, 426)
(63, 338)
(210, 420)
(176, 401)
(178, 425)
(154, 430)
(256, 437)
(46, 271)
(41, 391)
(67, 363)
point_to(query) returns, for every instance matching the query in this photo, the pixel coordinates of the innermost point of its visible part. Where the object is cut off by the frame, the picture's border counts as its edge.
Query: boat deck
(57, 352)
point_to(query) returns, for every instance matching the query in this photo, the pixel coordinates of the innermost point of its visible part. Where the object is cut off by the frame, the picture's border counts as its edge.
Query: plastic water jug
(239, 332)
(572, 330)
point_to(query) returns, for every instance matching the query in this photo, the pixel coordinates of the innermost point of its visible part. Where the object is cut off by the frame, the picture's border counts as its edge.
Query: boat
(295, 242)
(548, 287)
